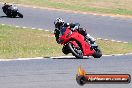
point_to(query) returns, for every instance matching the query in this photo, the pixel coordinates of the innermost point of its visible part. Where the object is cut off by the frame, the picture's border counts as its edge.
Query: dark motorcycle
(11, 11)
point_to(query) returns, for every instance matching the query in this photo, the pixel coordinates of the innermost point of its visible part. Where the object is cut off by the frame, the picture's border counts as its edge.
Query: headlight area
(60, 40)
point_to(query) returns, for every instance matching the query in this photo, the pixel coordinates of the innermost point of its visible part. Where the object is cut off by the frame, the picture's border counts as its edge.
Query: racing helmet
(58, 22)
(5, 4)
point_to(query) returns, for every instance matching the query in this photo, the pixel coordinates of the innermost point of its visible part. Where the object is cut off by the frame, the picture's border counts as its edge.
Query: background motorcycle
(75, 43)
(11, 11)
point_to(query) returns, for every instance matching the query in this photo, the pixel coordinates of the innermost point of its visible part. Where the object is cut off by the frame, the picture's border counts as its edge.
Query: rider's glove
(91, 38)
(75, 28)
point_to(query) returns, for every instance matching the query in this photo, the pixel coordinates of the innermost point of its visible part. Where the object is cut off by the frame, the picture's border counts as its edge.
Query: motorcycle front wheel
(20, 15)
(76, 51)
(97, 53)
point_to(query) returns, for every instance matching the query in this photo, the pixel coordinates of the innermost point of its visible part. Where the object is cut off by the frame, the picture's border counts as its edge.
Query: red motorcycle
(74, 42)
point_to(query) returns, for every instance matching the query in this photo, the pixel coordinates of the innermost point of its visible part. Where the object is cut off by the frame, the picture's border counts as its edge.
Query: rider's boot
(91, 40)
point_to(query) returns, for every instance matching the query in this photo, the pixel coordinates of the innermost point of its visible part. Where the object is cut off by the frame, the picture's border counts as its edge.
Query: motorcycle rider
(9, 7)
(6, 7)
(59, 24)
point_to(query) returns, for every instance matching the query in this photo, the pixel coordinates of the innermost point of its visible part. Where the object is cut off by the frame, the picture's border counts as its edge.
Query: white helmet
(58, 22)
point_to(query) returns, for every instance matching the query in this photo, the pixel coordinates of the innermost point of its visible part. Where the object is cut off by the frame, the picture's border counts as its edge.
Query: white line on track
(40, 29)
(2, 24)
(34, 7)
(19, 59)
(113, 40)
(46, 30)
(105, 39)
(38, 58)
(33, 28)
(17, 26)
(119, 41)
(24, 27)
(95, 14)
(125, 42)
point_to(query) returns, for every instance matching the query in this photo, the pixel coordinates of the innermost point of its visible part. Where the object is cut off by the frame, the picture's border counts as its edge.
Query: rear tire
(76, 51)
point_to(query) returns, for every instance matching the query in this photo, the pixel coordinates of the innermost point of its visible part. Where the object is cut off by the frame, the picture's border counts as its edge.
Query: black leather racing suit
(6, 8)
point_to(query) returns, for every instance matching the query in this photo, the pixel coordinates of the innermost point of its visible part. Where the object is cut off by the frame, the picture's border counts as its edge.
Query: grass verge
(122, 7)
(22, 43)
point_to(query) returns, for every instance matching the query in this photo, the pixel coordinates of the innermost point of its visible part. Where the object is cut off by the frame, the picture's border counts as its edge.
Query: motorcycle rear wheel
(76, 51)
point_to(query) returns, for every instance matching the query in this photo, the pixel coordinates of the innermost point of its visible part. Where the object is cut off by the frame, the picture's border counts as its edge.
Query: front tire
(20, 15)
(65, 49)
(76, 51)
(97, 53)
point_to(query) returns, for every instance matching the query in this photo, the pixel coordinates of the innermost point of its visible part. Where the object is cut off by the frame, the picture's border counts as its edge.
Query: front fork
(65, 48)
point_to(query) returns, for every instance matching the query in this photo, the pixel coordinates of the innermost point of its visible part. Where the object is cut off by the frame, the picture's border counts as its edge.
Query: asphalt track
(97, 26)
(60, 73)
